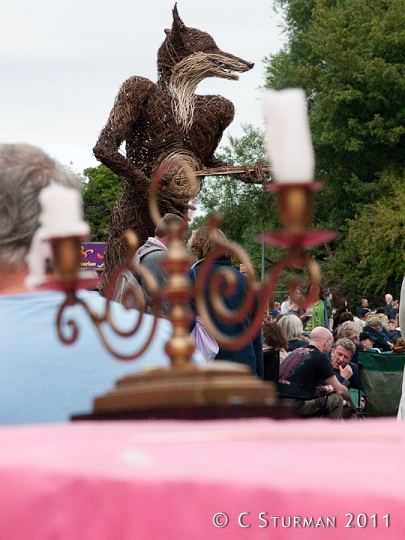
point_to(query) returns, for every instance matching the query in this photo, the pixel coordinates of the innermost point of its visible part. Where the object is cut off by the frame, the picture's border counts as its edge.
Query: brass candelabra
(184, 384)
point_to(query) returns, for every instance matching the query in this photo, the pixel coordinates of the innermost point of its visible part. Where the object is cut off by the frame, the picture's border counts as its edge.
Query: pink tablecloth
(172, 480)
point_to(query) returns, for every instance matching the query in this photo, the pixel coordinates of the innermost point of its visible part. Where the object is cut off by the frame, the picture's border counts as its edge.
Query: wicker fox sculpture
(160, 120)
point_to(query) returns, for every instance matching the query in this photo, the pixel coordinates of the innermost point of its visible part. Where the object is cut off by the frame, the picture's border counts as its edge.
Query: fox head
(197, 51)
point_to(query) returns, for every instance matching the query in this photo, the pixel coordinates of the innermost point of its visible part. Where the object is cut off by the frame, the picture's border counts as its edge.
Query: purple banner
(92, 256)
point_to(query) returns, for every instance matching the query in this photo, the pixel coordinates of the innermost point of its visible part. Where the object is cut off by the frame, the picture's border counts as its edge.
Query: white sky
(62, 63)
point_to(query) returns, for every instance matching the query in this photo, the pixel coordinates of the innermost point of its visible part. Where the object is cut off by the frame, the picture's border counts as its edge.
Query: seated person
(394, 310)
(268, 317)
(292, 326)
(274, 344)
(393, 333)
(346, 316)
(367, 343)
(274, 338)
(42, 379)
(347, 372)
(276, 310)
(350, 330)
(385, 324)
(374, 327)
(304, 369)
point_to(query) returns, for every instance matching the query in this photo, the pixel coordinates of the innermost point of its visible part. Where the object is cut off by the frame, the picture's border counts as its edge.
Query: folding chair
(381, 375)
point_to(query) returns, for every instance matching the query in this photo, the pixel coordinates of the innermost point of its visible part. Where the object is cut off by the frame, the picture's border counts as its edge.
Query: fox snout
(246, 65)
(200, 65)
(184, 45)
(227, 63)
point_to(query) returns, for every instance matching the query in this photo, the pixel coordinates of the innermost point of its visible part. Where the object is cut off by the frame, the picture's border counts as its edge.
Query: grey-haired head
(24, 171)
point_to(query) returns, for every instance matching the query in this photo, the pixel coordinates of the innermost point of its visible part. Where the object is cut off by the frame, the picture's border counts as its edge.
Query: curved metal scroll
(107, 318)
(217, 287)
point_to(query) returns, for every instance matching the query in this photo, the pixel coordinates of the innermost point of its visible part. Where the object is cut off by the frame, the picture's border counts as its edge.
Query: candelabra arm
(67, 259)
(99, 321)
(257, 295)
(215, 288)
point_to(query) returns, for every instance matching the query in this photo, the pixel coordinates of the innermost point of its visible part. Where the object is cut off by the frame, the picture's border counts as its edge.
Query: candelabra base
(216, 384)
(277, 411)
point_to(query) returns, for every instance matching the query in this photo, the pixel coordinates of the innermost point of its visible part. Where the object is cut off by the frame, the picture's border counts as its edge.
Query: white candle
(288, 139)
(62, 212)
(61, 216)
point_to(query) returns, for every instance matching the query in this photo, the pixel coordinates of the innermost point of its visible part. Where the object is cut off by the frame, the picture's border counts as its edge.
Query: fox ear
(178, 25)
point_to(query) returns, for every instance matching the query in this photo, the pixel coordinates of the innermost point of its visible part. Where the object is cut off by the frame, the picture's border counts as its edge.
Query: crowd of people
(380, 326)
(319, 364)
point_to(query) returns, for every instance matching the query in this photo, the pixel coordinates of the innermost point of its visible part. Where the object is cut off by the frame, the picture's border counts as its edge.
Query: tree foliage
(372, 253)
(349, 56)
(101, 189)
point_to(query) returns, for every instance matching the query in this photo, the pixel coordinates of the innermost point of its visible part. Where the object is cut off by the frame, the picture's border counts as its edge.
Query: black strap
(150, 250)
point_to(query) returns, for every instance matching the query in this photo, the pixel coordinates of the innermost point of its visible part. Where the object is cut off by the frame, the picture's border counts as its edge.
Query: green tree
(371, 260)
(349, 56)
(101, 189)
